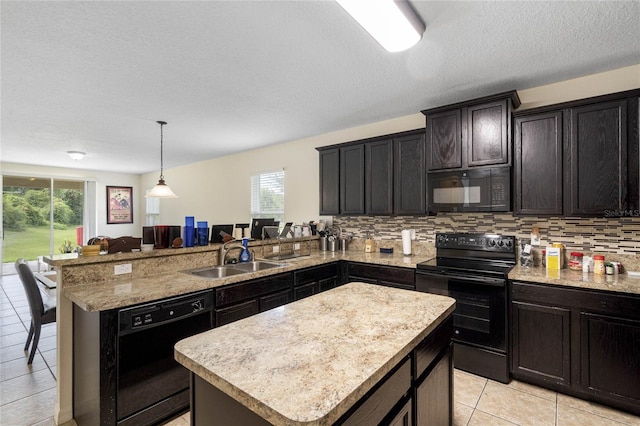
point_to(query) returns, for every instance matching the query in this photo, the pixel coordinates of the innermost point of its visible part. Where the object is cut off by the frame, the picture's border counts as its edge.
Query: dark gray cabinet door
(330, 182)
(610, 356)
(488, 134)
(379, 177)
(352, 179)
(444, 140)
(597, 148)
(410, 175)
(538, 164)
(541, 343)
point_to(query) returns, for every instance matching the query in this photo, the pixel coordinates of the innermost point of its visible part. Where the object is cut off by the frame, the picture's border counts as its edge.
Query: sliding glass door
(42, 216)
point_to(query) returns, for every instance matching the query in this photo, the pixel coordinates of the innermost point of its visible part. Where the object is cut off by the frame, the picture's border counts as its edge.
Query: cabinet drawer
(384, 398)
(328, 284)
(274, 300)
(251, 289)
(305, 291)
(382, 273)
(316, 273)
(236, 312)
(625, 305)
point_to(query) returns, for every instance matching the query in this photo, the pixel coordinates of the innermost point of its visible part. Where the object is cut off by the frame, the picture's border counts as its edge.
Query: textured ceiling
(230, 76)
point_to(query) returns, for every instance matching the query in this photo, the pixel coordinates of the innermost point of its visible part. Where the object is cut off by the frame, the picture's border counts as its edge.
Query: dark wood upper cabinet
(445, 140)
(384, 175)
(379, 177)
(538, 164)
(579, 158)
(597, 152)
(470, 134)
(488, 133)
(409, 174)
(352, 179)
(330, 181)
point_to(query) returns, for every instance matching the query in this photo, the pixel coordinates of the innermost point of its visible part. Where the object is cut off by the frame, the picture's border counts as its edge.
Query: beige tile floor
(479, 401)
(27, 394)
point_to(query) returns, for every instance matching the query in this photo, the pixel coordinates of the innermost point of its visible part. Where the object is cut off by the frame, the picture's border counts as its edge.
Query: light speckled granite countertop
(309, 361)
(132, 290)
(621, 283)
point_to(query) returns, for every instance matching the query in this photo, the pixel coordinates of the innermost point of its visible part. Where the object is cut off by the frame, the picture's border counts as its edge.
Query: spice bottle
(575, 261)
(598, 264)
(608, 268)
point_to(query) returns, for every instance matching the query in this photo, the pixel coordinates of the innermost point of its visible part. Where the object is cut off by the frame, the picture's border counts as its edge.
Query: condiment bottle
(369, 244)
(598, 264)
(575, 261)
(608, 268)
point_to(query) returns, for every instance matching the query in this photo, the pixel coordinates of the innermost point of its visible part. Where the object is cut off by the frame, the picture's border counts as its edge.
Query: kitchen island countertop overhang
(308, 362)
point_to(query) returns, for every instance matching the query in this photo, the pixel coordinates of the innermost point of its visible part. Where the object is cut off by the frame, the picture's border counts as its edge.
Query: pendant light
(161, 190)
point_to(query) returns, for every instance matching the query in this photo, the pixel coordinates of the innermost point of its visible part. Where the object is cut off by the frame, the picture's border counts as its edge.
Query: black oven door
(480, 315)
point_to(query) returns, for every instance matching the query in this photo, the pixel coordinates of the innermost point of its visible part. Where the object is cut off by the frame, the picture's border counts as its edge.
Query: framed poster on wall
(119, 204)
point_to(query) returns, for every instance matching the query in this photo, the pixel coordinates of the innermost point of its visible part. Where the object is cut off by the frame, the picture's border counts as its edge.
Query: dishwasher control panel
(164, 311)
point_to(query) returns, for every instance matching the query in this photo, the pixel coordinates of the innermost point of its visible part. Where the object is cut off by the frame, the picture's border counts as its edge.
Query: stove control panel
(483, 242)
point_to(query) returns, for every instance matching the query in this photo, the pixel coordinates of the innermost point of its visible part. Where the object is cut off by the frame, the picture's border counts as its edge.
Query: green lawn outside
(33, 242)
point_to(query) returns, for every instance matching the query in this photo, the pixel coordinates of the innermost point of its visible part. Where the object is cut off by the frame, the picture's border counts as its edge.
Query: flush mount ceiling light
(393, 23)
(76, 155)
(161, 190)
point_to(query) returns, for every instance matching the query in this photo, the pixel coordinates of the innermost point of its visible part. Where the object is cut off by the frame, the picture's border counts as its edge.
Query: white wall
(102, 179)
(218, 190)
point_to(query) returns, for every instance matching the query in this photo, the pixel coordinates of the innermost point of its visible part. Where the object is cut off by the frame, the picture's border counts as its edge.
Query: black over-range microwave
(476, 190)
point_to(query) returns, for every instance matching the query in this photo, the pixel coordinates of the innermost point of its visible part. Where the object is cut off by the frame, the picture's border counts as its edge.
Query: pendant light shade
(161, 190)
(392, 23)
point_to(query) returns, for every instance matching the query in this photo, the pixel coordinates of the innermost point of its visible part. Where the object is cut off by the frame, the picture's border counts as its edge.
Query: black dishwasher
(151, 385)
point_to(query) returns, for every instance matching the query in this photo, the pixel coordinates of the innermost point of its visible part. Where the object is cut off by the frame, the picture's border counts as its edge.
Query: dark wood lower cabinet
(310, 281)
(403, 418)
(435, 406)
(610, 348)
(541, 343)
(274, 300)
(236, 312)
(581, 342)
(305, 290)
(383, 275)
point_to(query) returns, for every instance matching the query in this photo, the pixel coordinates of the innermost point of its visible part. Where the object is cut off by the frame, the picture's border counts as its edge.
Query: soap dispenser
(245, 256)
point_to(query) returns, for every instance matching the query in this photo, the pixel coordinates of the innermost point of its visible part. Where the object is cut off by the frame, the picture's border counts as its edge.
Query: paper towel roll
(406, 242)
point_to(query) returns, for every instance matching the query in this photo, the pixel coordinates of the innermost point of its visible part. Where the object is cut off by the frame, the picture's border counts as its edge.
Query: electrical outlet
(296, 246)
(276, 249)
(125, 268)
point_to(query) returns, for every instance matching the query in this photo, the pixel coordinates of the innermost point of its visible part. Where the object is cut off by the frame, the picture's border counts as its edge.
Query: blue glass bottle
(245, 256)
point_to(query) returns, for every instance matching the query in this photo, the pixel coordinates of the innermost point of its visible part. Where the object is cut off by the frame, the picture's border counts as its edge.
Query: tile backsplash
(603, 235)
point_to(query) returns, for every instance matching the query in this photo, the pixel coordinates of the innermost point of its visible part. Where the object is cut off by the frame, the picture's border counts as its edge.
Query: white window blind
(153, 210)
(267, 195)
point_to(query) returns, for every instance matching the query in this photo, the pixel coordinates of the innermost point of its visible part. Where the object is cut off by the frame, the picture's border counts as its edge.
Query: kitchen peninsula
(351, 355)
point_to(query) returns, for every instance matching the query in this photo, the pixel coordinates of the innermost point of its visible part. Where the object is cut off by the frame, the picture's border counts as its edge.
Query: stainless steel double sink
(223, 271)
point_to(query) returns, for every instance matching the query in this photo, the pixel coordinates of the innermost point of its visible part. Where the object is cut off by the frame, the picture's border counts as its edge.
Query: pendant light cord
(161, 123)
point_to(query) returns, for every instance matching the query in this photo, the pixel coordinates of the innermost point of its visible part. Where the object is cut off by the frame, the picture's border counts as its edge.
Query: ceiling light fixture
(161, 190)
(76, 155)
(393, 23)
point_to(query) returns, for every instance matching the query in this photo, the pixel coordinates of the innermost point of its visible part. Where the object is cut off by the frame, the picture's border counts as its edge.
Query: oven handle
(494, 282)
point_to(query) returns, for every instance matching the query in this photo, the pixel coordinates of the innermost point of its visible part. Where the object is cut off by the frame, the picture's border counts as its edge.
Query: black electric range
(473, 268)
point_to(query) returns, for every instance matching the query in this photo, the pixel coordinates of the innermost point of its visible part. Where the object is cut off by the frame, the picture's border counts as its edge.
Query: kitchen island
(356, 354)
